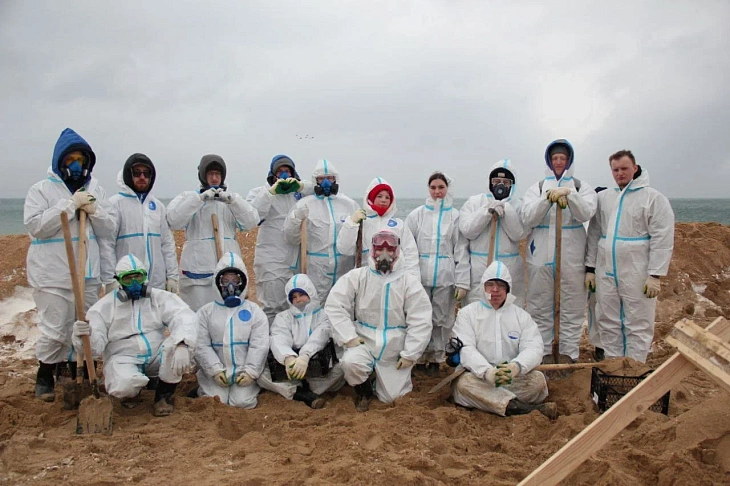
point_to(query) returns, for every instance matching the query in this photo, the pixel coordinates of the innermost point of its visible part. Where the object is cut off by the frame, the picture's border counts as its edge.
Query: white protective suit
(444, 264)
(492, 337)
(142, 230)
(276, 260)
(476, 225)
(234, 340)
(307, 330)
(131, 335)
(326, 258)
(374, 223)
(538, 216)
(391, 314)
(630, 238)
(198, 259)
(47, 264)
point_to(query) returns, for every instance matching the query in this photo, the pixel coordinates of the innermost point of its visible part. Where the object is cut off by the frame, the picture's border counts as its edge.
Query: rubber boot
(599, 354)
(364, 394)
(517, 407)
(164, 399)
(311, 399)
(44, 382)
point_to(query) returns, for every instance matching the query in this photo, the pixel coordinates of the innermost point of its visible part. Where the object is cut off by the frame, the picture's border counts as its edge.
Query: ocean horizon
(685, 211)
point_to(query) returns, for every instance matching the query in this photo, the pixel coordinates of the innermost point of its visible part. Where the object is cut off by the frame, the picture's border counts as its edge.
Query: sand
(421, 439)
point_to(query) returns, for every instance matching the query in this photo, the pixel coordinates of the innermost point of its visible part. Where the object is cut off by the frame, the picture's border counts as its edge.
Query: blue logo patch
(513, 335)
(244, 315)
(392, 222)
(342, 219)
(152, 206)
(298, 196)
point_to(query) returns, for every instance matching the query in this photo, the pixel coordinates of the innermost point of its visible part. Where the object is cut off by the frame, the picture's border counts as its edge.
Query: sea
(685, 211)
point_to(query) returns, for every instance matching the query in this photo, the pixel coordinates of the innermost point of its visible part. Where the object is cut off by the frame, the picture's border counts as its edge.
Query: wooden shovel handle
(217, 237)
(303, 246)
(558, 260)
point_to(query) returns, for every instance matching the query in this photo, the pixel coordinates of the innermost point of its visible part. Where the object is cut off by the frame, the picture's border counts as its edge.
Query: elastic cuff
(590, 269)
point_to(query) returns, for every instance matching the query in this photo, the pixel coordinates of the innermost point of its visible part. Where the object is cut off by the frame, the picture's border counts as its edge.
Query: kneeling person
(233, 337)
(127, 327)
(297, 334)
(500, 377)
(382, 314)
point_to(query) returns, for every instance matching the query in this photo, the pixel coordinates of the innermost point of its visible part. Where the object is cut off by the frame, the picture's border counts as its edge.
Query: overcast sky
(394, 89)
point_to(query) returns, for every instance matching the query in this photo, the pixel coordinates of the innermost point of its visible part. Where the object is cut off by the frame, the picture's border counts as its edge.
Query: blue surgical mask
(284, 175)
(75, 169)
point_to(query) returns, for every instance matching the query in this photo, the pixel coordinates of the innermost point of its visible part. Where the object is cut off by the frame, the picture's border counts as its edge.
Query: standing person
(476, 226)
(141, 228)
(127, 327)
(276, 260)
(68, 188)
(192, 211)
(501, 348)
(593, 333)
(298, 334)
(578, 201)
(631, 239)
(379, 213)
(325, 211)
(444, 263)
(382, 316)
(233, 338)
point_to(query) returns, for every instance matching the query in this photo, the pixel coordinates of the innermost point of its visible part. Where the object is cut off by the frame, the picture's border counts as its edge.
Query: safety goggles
(495, 285)
(330, 178)
(233, 279)
(385, 239)
(141, 173)
(127, 278)
(501, 180)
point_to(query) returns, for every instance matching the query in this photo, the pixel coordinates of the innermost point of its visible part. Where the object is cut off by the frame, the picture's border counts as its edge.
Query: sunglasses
(127, 279)
(141, 173)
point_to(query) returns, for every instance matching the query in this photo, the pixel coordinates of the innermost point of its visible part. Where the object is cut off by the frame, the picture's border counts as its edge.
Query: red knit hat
(373, 194)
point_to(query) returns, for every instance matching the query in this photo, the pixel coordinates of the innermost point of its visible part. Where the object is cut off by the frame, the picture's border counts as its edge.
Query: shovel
(217, 236)
(303, 247)
(95, 412)
(358, 247)
(558, 262)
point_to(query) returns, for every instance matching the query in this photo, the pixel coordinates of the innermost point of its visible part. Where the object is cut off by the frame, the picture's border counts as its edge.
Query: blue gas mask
(75, 170)
(135, 290)
(231, 295)
(284, 175)
(326, 188)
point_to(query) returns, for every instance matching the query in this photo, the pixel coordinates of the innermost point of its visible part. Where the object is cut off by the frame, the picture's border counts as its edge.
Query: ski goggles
(385, 238)
(127, 278)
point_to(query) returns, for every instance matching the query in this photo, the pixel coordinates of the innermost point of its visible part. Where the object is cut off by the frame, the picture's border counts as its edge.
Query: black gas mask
(385, 240)
(501, 182)
(326, 188)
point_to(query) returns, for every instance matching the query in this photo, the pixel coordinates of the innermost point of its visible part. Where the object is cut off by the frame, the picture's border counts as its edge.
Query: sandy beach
(421, 439)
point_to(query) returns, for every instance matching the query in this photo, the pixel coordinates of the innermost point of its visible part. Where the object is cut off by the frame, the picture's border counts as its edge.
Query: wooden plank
(706, 343)
(621, 414)
(718, 374)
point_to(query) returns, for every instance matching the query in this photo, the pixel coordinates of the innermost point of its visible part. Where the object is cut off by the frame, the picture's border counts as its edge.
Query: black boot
(44, 382)
(517, 407)
(163, 399)
(364, 394)
(599, 354)
(432, 369)
(310, 398)
(66, 369)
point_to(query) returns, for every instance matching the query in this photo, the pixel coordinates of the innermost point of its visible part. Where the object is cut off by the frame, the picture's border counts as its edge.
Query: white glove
(354, 342)
(491, 376)
(172, 285)
(299, 367)
(81, 328)
(301, 212)
(225, 196)
(358, 216)
(272, 189)
(557, 192)
(208, 195)
(180, 359)
(404, 363)
(244, 379)
(506, 372)
(81, 198)
(497, 207)
(221, 379)
(652, 286)
(563, 202)
(89, 209)
(460, 293)
(590, 281)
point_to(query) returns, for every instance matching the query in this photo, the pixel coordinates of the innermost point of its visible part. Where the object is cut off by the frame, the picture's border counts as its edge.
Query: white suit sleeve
(340, 307)
(282, 341)
(592, 239)
(347, 237)
(413, 223)
(260, 198)
(462, 272)
(292, 229)
(469, 355)
(258, 344)
(169, 252)
(512, 223)
(182, 209)
(205, 355)
(410, 250)
(474, 218)
(246, 215)
(321, 333)
(418, 311)
(176, 314)
(99, 317)
(530, 345)
(583, 204)
(103, 221)
(661, 231)
(107, 251)
(43, 221)
(534, 207)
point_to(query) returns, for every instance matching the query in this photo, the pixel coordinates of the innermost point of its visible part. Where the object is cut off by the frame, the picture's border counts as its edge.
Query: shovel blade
(95, 416)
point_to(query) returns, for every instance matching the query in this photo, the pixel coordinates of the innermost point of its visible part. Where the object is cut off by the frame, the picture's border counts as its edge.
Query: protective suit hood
(397, 265)
(641, 179)
(205, 164)
(126, 173)
(499, 271)
(229, 261)
(503, 166)
(70, 141)
(277, 162)
(301, 282)
(381, 184)
(128, 263)
(571, 154)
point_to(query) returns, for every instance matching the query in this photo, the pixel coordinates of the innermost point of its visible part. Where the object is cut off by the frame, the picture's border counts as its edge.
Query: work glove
(81, 328)
(512, 369)
(504, 374)
(557, 192)
(358, 216)
(354, 342)
(274, 187)
(288, 364)
(180, 359)
(652, 286)
(590, 281)
(225, 196)
(208, 194)
(299, 367)
(294, 185)
(459, 293)
(81, 198)
(490, 376)
(244, 379)
(563, 202)
(301, 212)
(497, 208)
(172, 285)
(221, 378)
(404, 363)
